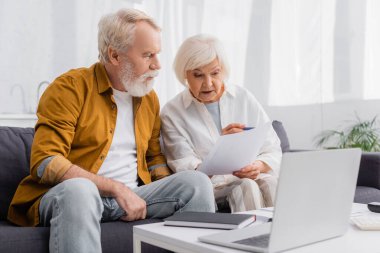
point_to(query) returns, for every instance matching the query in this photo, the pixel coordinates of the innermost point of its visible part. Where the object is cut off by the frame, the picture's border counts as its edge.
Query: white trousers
(245, 194)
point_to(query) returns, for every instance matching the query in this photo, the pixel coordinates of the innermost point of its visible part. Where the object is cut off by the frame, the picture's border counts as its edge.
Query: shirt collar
(188, 98)
(103, 82)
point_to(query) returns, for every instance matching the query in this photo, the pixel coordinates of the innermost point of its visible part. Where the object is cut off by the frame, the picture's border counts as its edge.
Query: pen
(247, 128)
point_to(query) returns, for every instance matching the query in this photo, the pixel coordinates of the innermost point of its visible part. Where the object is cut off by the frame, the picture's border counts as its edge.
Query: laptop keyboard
(261, 241)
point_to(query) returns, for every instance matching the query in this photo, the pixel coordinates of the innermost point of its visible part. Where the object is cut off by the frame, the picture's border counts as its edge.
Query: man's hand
(233, 128)
(130, 202)
(253, 170)
(133, 205)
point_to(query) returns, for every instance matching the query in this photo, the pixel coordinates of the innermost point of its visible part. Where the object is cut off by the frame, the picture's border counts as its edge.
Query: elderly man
(96, 148)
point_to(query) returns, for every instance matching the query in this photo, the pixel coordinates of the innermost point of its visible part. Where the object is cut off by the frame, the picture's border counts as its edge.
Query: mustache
(152, 74)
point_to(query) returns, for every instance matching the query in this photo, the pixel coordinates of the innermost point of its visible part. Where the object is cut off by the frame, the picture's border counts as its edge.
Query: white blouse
(189, 132)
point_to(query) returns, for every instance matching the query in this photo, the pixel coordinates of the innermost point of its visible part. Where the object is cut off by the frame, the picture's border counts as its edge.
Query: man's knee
(199, 186)
(80, 194)
(78, 188)
(196, 180)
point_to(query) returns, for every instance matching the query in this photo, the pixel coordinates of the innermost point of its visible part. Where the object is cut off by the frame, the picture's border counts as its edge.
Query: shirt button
(113, 107)
(102, 157)
(111, 131)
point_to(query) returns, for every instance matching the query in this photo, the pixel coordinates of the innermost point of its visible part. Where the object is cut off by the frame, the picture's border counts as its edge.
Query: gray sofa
(15, 144)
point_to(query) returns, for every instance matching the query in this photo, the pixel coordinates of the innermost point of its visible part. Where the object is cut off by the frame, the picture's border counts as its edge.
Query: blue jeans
(74, 208)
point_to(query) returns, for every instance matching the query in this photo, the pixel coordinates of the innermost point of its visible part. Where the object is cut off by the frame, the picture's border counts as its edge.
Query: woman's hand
(233, 128)
(253, 170)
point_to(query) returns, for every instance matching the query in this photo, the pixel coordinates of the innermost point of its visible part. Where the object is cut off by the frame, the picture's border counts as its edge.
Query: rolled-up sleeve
(154, 157)
(57, 113)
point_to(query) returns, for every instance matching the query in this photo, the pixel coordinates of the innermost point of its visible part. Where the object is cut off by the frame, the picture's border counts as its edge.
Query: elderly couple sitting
(96, 152)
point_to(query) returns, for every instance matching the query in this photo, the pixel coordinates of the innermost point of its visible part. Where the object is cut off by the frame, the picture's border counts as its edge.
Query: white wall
(18, 120)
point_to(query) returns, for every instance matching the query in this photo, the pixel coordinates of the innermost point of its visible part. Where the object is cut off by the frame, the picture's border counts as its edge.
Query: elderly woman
(208, 108)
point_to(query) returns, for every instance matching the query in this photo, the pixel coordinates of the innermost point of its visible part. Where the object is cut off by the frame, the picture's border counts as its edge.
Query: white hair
(117, 30)
(198, 51)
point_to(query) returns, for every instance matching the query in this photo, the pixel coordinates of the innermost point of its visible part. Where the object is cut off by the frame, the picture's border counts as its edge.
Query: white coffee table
(180, 239)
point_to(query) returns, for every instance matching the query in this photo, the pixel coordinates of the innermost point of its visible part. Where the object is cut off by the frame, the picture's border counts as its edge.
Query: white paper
(234, 151)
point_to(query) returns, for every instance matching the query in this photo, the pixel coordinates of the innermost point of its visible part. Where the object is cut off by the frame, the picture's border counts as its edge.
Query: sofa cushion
(14, 162)
(116, 237)
(364, 195)
(369, 173)
(281, 133)
(25, 239)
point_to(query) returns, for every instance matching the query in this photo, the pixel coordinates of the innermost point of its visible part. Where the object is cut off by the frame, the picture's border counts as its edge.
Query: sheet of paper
(234, 151)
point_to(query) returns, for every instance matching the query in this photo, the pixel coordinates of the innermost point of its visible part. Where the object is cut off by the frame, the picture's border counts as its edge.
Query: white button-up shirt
(189, 132)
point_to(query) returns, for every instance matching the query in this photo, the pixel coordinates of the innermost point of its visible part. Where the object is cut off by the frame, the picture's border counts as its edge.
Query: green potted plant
(359, 134)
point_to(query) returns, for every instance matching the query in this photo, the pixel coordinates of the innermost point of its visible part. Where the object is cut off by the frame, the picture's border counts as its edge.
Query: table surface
(182, 239)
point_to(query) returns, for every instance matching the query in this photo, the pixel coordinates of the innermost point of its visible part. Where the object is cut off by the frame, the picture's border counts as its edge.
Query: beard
(137, 86)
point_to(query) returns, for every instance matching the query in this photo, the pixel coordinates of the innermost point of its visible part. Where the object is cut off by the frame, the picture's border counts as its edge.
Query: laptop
(314, 197)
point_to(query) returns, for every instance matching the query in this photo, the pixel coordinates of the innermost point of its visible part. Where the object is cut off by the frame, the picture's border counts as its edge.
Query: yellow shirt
(76, 121)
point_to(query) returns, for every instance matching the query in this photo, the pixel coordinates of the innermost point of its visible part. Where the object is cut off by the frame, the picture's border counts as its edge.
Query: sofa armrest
(369, 171)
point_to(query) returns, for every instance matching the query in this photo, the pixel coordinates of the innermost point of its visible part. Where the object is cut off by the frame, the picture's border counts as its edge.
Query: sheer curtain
(287, 52)
(300, 55)
(372, 51)
(46, 38)
(42, 39)
(320, 51)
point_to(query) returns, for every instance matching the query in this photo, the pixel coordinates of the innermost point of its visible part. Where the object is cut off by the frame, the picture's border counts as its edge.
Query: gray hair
(117, 30)
(198, 51)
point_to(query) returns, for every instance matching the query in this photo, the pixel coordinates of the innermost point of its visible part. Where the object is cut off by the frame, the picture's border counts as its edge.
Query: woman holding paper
(208, 108)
